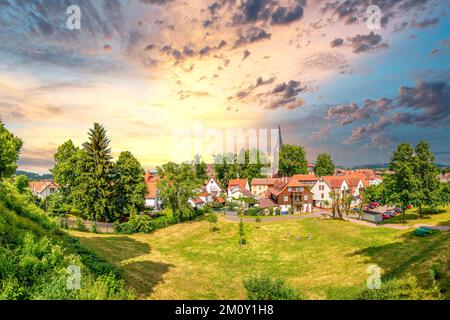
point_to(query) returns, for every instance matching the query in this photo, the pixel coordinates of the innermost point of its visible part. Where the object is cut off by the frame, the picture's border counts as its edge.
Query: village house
(213, 187)
(42, 189)
(356, 185)
(260, 186)
(152, 199)
(444, 178)
(367, 175)
(306, 179)
(238, 183)
(291, 194)
(197, 203)
(321, 194)
(323, 188)
(238, 193)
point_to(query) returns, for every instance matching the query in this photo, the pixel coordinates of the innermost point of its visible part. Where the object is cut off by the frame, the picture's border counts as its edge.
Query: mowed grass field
(441, 217)
(186, 261)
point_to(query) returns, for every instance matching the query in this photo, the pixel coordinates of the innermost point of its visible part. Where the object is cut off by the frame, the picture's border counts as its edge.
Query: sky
(335, 77)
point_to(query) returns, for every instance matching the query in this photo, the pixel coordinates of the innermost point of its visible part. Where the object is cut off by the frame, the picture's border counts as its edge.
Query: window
(290, 189)
(322, 196)
(305, 197)
(286, 198)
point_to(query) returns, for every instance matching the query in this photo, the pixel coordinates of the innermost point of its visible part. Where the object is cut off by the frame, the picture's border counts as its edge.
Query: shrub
(93, 227)
(267, 288)
(254, 211)
(212, 219)
(79, 224)
(399, 289)
(56, 205)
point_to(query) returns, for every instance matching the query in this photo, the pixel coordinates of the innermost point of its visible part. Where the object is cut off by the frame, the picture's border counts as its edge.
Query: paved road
(235, 218)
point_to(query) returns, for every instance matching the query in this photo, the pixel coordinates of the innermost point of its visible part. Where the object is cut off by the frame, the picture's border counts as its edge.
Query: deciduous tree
(10, 146)
(292, 160)
(324, 165)
(177, 184)
(403, 185)
(129, 184)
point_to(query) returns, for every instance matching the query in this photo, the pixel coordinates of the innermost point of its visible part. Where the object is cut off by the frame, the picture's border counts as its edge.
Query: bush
(145, 224)
(56, 205)
(79, 224)
(267, 288)
(254, 211)
(93, 227)
(399, 289)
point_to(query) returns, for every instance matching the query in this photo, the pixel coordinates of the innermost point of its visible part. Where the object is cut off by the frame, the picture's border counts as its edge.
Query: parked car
(397, 209)
(391, 213)
(375, 204)
(365, 208)
(355, 209)
(409, 206)
(386, 216)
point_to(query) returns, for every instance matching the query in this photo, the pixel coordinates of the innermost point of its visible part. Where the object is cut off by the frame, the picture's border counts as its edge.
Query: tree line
(91, 182)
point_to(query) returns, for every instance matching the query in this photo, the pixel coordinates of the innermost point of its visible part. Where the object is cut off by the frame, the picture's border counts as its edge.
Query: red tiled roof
(266, 203)
(40, 186)
(198, 201)
(305, 177)
(241, 183)
(264, 181)
(219, 200)
(335, 182)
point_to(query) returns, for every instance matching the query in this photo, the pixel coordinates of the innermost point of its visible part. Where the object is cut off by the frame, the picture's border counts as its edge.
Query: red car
(386, 216)
(375, 204)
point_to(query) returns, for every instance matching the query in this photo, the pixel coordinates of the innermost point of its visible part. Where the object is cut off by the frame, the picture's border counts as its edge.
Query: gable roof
(264, 181)
(244, 191)
(41, 186)
(241, 183)
(306, 177)
(266, 203)
(216, 182)
(335, 182)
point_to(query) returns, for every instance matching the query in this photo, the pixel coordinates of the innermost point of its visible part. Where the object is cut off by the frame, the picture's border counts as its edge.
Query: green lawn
(186, 261)
(441, 217)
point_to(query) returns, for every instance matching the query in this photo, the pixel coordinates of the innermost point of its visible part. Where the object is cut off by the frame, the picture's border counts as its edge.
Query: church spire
(280, 139)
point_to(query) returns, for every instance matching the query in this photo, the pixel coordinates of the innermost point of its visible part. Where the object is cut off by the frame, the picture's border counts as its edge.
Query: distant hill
(34, 176)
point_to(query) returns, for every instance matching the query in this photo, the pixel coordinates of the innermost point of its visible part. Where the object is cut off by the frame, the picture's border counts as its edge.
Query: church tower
(274, 172)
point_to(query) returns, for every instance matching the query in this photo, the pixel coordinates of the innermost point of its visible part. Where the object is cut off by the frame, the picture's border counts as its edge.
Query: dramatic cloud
(321, 133)
(353, 11)
(425, 23)
(425, 105)
(336, 42)
(252, 11)
(253, 34)
(346, 114)
(285, 95)
(369, 42)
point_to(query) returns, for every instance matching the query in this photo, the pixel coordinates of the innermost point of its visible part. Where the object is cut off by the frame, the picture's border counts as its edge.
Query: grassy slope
(19, 216)
(412, 217)
(186, 261)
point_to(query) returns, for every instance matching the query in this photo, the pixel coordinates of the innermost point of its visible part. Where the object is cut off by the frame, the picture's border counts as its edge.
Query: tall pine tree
(95, 187)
